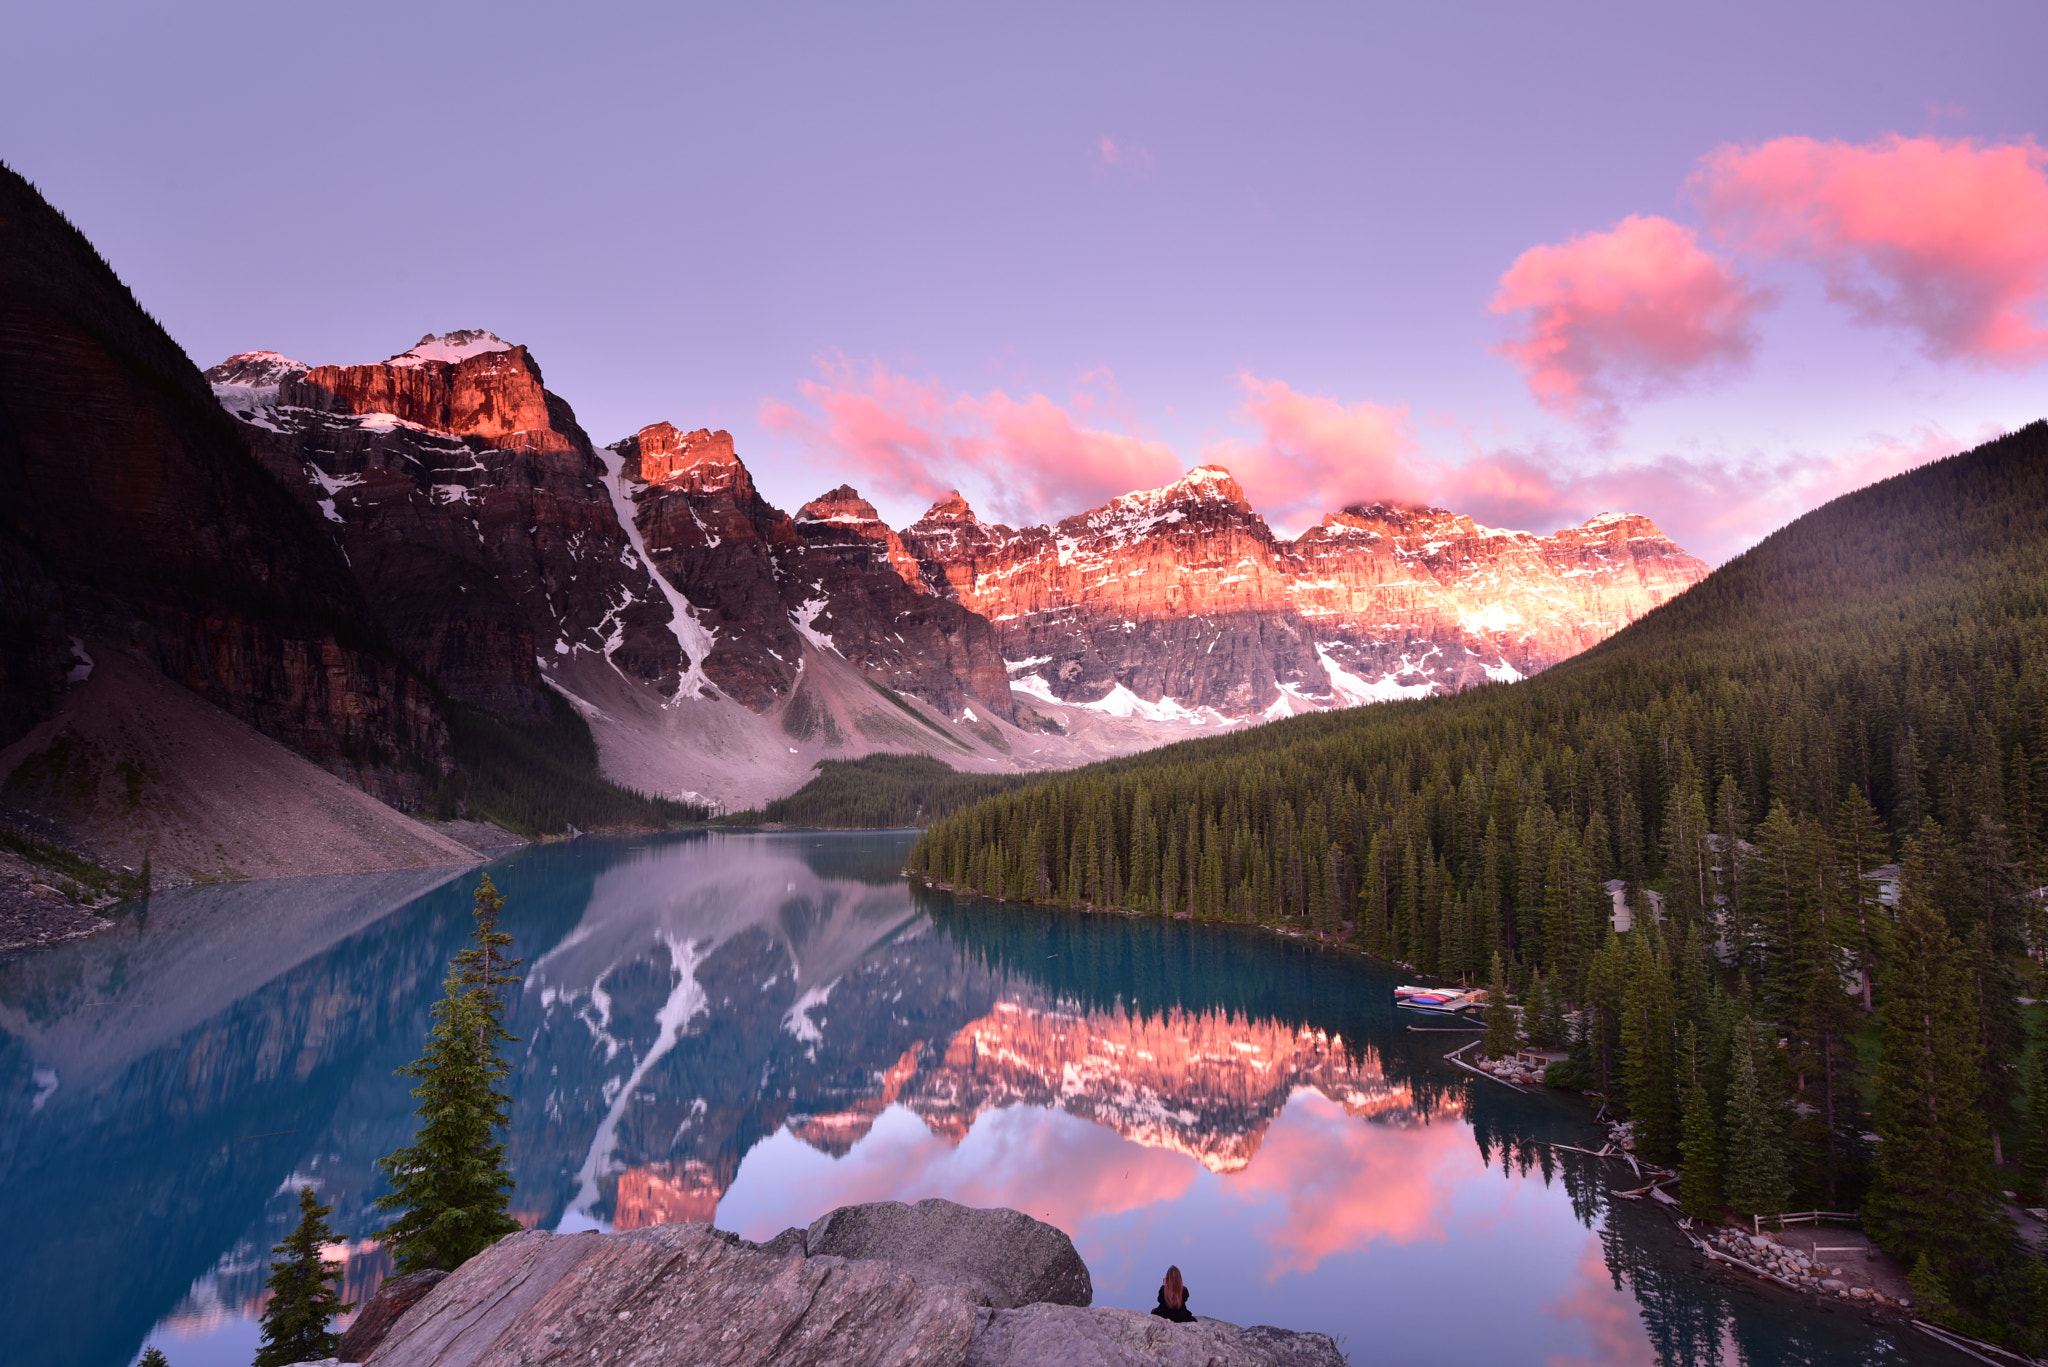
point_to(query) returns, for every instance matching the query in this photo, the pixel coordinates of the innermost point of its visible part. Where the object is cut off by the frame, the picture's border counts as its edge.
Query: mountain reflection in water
(758, 1028)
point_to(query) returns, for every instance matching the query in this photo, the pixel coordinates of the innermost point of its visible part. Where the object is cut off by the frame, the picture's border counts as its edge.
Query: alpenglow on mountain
(718, 647)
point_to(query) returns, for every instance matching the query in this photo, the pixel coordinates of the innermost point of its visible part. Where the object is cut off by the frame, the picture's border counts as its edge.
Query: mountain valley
(422, 575)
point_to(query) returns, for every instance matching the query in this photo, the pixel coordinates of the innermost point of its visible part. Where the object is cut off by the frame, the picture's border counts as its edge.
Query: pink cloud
(1316, 454)
(1040, 460)
(1631, 312)
(916, 438)
(1713, 508)
(1131, 158)
(1943, 237)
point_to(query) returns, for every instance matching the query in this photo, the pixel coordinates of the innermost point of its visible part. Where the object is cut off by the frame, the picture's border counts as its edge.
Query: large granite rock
(675, 1294)
(374, 1322)
(934, 1283)
(1041, 1335)
(1003, 1258)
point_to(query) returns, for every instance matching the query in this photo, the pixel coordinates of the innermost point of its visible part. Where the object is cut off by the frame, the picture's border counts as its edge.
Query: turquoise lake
(757, 1028)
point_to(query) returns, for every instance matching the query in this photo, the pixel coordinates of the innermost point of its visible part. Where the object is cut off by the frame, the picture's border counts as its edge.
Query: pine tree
(152, 1356)
(1501, 1036)
(2034, 1153)
(1646, 1041)
(302, 1296)
(1934, 1189)
(1861, 848)
(1753, 1170)
(450, 1184)
(1699, 1180)
(1541, 1021)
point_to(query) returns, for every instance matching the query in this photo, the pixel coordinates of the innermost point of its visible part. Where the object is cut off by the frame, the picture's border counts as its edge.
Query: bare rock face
(471, 507)
(711, 534)
(383, 1310)
(1180, 592)
(1002, 1257)
(1408, 595)
(131, 510)
(1036, 1335)
(1183, 597)
(834, 577)
(935, 1284)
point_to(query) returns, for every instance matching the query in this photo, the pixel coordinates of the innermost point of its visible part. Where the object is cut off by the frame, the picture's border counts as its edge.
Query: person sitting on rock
(1173, 1299)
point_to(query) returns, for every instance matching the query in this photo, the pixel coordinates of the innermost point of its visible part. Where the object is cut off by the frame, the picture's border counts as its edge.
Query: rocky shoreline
(930, 1285)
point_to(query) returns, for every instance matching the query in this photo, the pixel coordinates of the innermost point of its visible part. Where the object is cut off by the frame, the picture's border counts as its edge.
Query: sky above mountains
(1714, 264)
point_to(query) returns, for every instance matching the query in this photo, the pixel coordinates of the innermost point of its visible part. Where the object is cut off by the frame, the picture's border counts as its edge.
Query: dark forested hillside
(1869, 684)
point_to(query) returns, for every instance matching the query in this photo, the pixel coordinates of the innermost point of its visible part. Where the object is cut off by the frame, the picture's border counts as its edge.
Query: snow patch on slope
(804, 618)
(1357, 691)
(450, 347)
(691, 634)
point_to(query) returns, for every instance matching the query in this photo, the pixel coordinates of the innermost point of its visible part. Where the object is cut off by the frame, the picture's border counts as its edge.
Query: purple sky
(864, 239)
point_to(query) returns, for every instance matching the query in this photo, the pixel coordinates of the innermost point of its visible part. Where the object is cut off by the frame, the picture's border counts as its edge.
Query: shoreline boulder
(881, 1285)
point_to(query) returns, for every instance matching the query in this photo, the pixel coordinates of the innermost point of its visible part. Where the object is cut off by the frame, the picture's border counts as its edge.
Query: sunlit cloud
(1633, 312)
(1314, 454)
(1305, 455)
(1127, 157)
(1942, 237)
(915, 438)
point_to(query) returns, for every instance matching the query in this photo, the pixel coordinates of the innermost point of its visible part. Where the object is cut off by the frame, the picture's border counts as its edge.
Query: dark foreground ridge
(892, 1285)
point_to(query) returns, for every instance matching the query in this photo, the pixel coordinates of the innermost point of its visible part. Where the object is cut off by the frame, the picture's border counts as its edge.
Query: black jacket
(1179, 1314)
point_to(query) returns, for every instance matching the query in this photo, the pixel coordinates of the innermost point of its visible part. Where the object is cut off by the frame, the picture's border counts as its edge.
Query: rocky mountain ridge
(699, 629)
(1171, 601)
(471, 507)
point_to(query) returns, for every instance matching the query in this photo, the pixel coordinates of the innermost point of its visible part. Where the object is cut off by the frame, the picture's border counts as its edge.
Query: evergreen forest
(1815, 785)
(880, 792)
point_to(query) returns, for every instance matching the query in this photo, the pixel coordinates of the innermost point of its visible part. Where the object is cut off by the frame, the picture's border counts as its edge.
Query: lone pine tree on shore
(450, 1184)
(303, 1299)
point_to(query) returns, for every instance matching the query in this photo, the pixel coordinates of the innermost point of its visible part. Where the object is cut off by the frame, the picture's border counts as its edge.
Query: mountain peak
(451, 347)
(258, 369)
(1207, 483)
(702, 461)
(951, 508)
(843, 504)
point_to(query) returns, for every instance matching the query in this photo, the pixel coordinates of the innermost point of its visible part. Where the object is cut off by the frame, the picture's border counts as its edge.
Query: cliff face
(1171, 600)
(764, 584)
(1176, 594)
(472, 509)
(132, 514)
(1402, 596)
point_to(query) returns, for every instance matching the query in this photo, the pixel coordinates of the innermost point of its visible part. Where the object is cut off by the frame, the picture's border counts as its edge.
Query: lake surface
(758, 1028)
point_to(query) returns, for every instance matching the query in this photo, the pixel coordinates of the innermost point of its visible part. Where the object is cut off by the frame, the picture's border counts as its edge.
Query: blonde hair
(1176, 1289)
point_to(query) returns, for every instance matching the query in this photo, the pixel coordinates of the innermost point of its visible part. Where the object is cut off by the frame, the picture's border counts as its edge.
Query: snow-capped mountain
(719, 647)
(1179, 603)
(471, 507)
